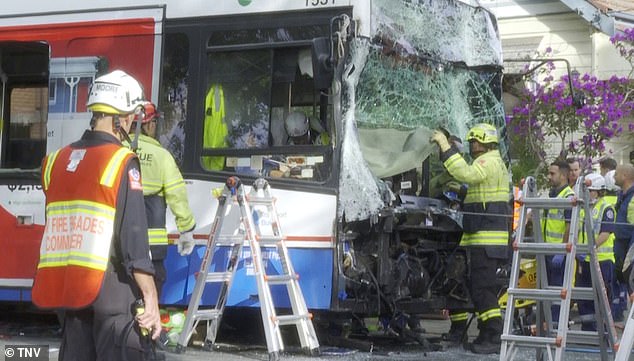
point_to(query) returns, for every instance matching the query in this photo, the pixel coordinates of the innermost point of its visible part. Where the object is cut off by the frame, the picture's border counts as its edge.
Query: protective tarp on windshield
(428, 64)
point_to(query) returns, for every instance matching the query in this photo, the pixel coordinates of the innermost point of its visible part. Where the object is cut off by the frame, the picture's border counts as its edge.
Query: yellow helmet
(483, 133)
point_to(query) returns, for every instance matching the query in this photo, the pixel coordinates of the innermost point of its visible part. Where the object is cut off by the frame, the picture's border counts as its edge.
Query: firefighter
(555, 223)
(94, 258)
(163, 186)
(603, 216)
(485, 224)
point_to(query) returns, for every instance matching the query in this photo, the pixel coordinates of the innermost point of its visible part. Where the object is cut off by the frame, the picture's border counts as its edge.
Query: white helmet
(296, 124)
(598, 182)
(115, 93)
(610, 184)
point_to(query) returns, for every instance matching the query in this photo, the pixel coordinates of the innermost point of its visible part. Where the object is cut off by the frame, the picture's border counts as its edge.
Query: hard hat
(149, 109)
(115, 93)
(483, 133)
(598, 182)
(296, 124)
(610, 184)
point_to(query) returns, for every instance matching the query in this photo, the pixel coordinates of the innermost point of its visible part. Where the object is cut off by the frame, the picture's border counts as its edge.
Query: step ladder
(627, 338)
(551, 341)
(234, 204)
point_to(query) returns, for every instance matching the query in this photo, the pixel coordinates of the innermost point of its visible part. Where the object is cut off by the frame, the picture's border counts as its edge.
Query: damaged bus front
(425, 65)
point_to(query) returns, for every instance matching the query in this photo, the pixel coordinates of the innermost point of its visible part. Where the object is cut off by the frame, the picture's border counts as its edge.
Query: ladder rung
(583, 293)
(223, 240)
(291, 319)
(269, 240)
(218, 277)
(280, 279)
(538, 294)
(261, 201)
(532, 341)
(550, 203)
(542, 248)
(209, 314)
(583, 337)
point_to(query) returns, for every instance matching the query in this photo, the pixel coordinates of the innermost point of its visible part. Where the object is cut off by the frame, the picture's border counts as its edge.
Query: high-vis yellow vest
(81, 187)
(554, 224)
(215, 129)
(163, 179)
(605, 252)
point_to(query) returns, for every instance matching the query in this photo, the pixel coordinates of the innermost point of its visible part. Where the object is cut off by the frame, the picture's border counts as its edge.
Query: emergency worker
(611, 188)
(298, 127)
(619, 289)
(624, 178)
(575, 171)
(163, 186)
(94, 258)
(555, 224)
(485, 224)
(607, 165)
(603, 216)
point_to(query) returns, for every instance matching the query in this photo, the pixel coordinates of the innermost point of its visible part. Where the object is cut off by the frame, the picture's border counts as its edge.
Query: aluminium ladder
(627, 338)
(551, 341)
(258, 201)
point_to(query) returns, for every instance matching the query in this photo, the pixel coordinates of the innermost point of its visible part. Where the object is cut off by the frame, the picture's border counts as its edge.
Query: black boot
(456, 334)
(487, 342)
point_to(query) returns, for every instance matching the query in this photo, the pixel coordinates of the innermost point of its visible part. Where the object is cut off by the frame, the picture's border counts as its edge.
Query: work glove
(441, 139)
(186, 243)
(558, 261)
(454, 186)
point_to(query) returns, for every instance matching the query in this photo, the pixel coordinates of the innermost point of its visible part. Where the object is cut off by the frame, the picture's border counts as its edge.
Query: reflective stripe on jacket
(605, 251)
(486, 204)
(517, 206)
(80, 211)
(553, 223)
(163, 186)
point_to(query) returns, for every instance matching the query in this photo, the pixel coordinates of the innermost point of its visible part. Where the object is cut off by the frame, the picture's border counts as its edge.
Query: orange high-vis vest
(81, 187)
(517, 194)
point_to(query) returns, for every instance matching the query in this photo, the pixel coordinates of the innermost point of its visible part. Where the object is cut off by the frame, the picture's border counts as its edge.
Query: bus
(370, 79)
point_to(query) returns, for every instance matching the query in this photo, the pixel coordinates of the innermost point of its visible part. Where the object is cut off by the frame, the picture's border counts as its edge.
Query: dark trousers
(106, 330)
(555, 275)
(584, 279)
(484, 288)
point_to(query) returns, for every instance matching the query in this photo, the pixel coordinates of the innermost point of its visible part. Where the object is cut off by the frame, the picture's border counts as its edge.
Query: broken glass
(428, 64)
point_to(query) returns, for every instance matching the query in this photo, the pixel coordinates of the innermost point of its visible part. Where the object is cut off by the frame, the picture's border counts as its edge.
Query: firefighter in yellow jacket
(163, 186)
(94, 258)
(485, 224)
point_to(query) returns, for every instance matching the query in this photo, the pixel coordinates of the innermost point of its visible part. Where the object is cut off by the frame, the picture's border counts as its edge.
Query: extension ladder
(551, 339)
(258, 201)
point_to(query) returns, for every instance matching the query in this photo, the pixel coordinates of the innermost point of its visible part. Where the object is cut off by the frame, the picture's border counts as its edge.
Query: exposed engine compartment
(408, 262)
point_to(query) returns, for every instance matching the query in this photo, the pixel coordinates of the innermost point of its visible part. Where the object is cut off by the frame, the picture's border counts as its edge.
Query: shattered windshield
(429, 64)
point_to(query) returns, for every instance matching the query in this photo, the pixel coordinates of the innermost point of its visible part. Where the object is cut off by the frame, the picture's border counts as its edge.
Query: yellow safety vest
(554, 224)
(605, 252)
(215, 129)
